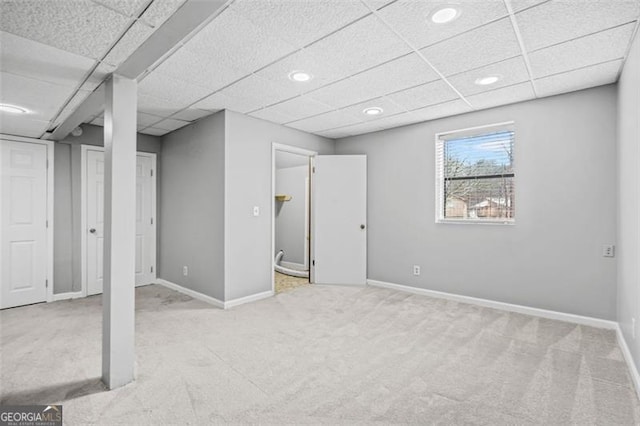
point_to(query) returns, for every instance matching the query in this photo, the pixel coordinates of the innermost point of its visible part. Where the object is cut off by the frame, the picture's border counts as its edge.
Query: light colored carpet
(286, 282)
(318, 354)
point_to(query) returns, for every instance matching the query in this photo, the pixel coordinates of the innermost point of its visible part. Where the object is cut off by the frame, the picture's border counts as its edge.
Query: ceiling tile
(134, 37)
(178, 92)
(334, 134)
(360, 46)
(71, 106)
(378, 4)
(601, 47)
(445, 109)
(519, 5)
(22, 126)
(170, 124)
(488, 44)
(323, 71)
(390, 77)
(413, 18)
(503, 96)
(160, 11)
(262, 91)
(219, 101)
(388, 108)
(42, 62)
(145, 120)
(125, 7)
(402, 119)
(154, 132)
(43, 99)
(300, 22)
(200, 70)
(272, 115)
(237, 44)
(156, 106)
(558, 21)
(329, 120)
(511, 71)
(427, 94)
(293, 109)
(191, 114)
(583, 78)
(78, 26)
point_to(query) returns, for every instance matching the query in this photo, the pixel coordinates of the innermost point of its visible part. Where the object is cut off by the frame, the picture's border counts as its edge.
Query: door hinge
(46, 283)
(313, 262)
(152, 221)
(47, 164)
(47, 223)
(313, 169)
(152, 269)
(151, 172)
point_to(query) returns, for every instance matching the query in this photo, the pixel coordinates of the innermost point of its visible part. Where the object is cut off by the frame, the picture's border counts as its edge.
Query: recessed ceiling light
(373, 111)
(485, 81)
(12, 109)
(300, 76)
(444, 15)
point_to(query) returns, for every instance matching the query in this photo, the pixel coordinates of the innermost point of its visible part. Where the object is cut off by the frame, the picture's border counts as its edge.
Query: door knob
(92, 230)
(362, 227)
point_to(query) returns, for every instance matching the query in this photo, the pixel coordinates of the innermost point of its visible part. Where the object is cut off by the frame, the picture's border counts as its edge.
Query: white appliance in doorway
(339, 219)
(93, 219)
(26, 251)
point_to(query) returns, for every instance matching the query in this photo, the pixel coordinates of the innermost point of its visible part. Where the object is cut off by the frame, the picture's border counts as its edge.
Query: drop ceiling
(371, 53)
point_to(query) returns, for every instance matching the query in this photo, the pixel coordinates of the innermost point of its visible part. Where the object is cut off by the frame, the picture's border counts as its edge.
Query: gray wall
(628, 249)
(565, 157)
(291, 215)
(192, 206)
(66, 208)
(248, 184)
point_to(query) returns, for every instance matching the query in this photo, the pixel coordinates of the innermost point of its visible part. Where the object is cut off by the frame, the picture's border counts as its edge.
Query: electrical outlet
(185, 271)
(608, 250)
(416, 270)
(633, 328)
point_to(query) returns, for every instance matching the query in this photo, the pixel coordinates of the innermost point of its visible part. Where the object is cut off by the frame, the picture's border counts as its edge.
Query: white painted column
(118, 355)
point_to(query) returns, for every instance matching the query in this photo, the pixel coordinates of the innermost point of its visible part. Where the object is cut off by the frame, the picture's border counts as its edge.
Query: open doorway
(291, 217)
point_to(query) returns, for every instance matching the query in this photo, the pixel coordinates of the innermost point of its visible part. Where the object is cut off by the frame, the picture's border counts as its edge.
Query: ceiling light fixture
(373, 111)
(12, 109)
(485, 81)
(300, 76)
(444, 15)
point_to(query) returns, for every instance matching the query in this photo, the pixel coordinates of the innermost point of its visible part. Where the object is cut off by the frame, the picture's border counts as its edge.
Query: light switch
(256, 211)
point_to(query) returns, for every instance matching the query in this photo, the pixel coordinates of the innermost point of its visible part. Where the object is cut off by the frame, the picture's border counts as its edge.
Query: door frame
(50, 199)
(307, 153)
(83, 211)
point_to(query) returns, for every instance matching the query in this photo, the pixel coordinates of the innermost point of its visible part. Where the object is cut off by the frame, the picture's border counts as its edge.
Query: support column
(118, 355)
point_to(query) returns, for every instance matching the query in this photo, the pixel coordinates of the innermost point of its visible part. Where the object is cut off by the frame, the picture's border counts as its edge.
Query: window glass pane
(477, 176)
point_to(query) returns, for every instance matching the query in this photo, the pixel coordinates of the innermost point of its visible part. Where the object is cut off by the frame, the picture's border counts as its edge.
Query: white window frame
(439, 171)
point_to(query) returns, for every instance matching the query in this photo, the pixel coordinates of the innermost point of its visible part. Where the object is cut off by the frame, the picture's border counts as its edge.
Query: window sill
(475, 222)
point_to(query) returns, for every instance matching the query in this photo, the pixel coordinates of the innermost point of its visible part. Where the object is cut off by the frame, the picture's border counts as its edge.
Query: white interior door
(145, 216)
(340, 218)
(23, 211)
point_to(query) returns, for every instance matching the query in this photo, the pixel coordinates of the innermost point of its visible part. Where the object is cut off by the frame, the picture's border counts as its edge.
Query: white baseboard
(212, 300)
(543, 313)
(293, 265)
(68, 295)
(247, 299)
(633, 370)
(196, 295)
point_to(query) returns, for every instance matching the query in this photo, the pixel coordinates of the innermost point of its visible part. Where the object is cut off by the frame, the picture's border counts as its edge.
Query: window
(475, 175)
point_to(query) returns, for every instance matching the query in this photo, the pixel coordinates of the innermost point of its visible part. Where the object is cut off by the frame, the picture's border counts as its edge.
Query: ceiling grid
(393, 55)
